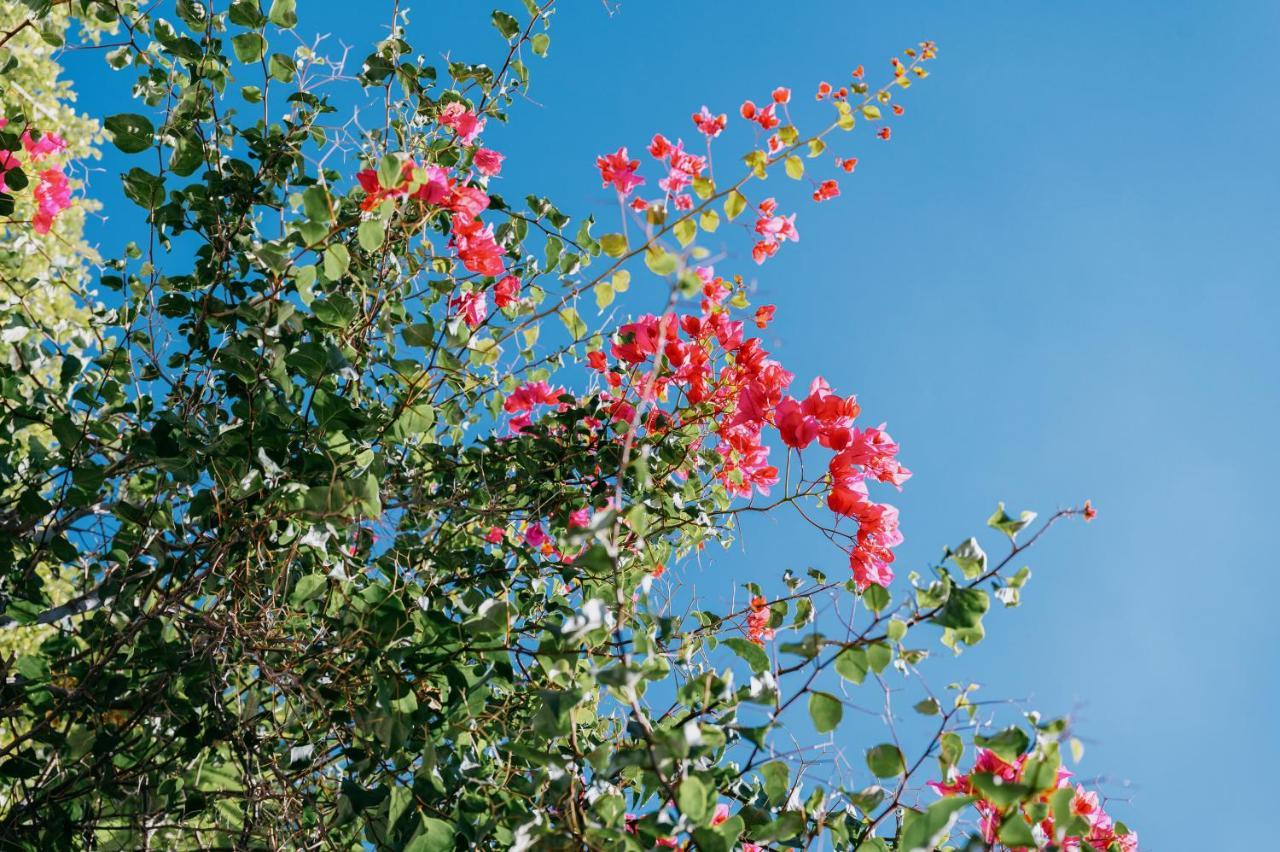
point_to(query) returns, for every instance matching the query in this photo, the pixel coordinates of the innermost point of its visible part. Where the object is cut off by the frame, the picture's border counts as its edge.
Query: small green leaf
(794, 166)
(826, 711)
(777, 781)
(660, 262)
(131, 133)
(337, 260)
(573, 322)
(614, 245)
(692, 798)
(371, 234)
(249, 47)
(685, 230)
(506, 24)
(851, 664)
(886, 761)
(284, 13)
(734, 204)
(749, 651)
(540, 42)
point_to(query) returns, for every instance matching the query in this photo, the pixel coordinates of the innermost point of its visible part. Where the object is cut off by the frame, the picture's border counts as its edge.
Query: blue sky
(1058, 281)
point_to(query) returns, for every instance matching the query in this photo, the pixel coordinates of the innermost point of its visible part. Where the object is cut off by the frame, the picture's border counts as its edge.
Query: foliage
(353, 562)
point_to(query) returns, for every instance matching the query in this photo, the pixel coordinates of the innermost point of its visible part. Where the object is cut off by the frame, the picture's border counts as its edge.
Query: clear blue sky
(1059, 281)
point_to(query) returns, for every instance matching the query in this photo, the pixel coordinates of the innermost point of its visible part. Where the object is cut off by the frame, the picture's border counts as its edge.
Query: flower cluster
(52, 191)
(1097, 829)
(471, 240)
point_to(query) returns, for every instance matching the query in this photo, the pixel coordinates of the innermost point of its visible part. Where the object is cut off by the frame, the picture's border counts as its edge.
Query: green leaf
(143, 188)
(131, 133)
(539, 43)
(851, 664)
(734, 204)
(692, 798)
(1010, 526)
(871, 112)
(923, 831)
(337, 260)
(371, 234)
(964, 609)
(249, 47)
(1008, 744)
(685, 230)
(1014, 831)
(749, 651)
(709, 221)
(886, 761)
(928, 707)
(826, 711)
(614, 245)
(777, 781)
(506, 24)
(573, 322)
(970, 558)
(284, 13)
(434, 835)
(307, 588)
(660, 262)
(794, 166)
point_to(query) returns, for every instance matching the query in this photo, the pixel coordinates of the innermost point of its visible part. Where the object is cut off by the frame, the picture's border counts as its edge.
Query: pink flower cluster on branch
(52, 191)
(1100, 831)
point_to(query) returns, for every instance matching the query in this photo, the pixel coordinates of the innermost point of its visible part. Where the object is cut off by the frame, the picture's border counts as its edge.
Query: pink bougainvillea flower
(507, 291)
(710, 125)
(764, 315)
(494, 535)
(48, 143)
(461, 121)
(618, 169)
(579, 518)
(660, 147)
(781, 95)
(472, 307)
(475, 245)
(530, 395)
(848, 165)
(53, 195)
(826, 190)
(487, 161)
(535, 537)
(758, 629)
(884, 133)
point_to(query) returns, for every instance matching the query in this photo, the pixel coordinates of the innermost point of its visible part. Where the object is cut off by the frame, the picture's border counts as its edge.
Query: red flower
(507, 291)
(487, 161)
(619, 170)
(826, 190)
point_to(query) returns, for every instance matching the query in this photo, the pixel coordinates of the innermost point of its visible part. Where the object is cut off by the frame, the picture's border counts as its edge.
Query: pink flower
(721, 814)
(495, 535)
(710, 125)
(461, 121)
(475, 245)
(619, 170)
(579, 518)
(472, 307)
(535, 537)
(49, 143)
(660, 147)
(507, 291)
(531, 394)
(781, 95)
(487, 161)
(764, 315)
(828, 189)
(53, 195)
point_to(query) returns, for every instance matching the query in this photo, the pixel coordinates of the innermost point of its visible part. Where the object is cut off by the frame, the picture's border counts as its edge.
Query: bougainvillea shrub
(368, 502)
